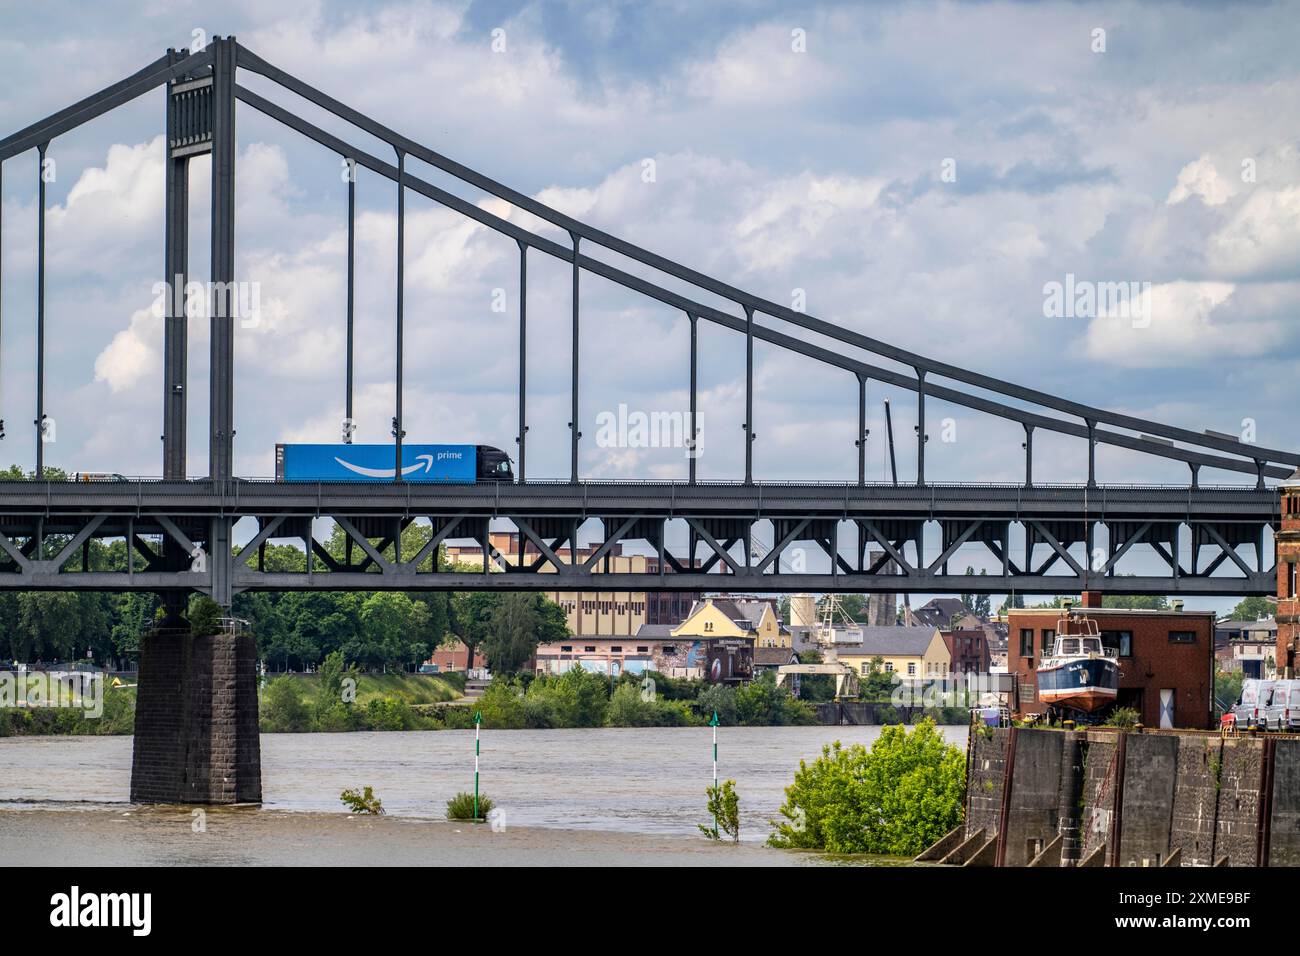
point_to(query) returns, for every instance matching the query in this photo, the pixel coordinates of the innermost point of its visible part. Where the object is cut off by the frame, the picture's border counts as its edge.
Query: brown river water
(598, 796)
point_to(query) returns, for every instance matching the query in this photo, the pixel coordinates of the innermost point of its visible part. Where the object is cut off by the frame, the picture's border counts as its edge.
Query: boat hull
(1086, 685)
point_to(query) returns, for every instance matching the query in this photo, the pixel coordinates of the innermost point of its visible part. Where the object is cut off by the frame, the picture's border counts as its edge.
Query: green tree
(978, 604)
(878, 684)
(471, 618)
(282, 708)
(1140, 602)
(760, 703)
(520, 622)
(719, 699)
(724, 808)
(896, 798)
(1254, 608)
(205, 616)
(628, 707)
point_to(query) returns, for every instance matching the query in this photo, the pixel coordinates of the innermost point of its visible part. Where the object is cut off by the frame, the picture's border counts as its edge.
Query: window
(643, 648)
(616, 649)
(1118, 642)
(1291, 578)
(889, 667)
(1026, 642)
(911, 669)
(1182, 637)
(1049, 639)
(566, 648)
(590, 649)
(866, 669)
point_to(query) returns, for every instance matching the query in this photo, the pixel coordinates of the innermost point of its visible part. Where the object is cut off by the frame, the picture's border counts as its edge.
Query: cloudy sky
(921, 172)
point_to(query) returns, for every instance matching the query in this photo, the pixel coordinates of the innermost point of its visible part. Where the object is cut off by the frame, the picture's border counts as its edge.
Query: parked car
(1251, 711)
(1284, 709)
(429, 669)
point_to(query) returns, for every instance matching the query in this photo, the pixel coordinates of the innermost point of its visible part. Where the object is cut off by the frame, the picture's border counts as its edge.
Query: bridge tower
(196, 728)
(1288, 587)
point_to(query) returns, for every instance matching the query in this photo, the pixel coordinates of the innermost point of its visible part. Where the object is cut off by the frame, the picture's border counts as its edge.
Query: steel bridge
(698, 535)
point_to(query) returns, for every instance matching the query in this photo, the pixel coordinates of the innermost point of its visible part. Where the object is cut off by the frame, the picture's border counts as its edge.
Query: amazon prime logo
(423, 465)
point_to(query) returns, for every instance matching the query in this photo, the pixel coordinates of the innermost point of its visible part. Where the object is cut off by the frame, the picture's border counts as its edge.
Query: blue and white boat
(1079, 674)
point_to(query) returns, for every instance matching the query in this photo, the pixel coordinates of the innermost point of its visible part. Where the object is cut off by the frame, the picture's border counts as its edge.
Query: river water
(622, 795)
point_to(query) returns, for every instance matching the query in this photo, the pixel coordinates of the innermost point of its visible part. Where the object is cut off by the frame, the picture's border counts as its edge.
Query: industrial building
(591, 613)
(1166, 658)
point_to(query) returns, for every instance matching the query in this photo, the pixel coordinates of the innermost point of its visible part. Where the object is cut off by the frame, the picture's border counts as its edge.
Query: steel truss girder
(193, 516)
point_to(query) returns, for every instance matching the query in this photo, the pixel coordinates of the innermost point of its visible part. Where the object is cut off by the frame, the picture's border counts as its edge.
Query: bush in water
(897, 798)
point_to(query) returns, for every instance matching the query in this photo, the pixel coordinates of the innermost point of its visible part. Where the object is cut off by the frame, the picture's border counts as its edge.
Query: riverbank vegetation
(579, 698)
(896, 798)
(118, 717)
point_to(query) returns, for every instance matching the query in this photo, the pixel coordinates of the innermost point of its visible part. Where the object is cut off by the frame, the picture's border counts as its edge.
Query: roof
(655, 632)
(1077, 611)
(774, 656)
(898, 641)
(941, 611)
(1268, 624)
(745, 613)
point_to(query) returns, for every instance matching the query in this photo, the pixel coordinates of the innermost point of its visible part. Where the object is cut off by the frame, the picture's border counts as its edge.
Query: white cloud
(1202, 180)
(1187, 320)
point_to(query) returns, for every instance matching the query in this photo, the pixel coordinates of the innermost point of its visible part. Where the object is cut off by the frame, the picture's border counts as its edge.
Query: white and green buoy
(478, 719)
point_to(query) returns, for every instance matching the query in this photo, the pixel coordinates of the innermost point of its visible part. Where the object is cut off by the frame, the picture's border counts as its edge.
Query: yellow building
(590, 613)
(913, 653)
(754, 618)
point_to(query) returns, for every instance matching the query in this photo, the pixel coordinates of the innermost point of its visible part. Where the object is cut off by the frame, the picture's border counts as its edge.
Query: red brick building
(1288, 558)
(969, 650)
(452, 657)
(1166, 659)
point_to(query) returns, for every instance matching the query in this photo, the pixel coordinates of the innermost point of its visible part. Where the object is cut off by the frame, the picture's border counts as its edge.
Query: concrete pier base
(196, 731)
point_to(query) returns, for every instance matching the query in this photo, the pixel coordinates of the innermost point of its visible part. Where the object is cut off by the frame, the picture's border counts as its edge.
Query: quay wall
(1153, 798)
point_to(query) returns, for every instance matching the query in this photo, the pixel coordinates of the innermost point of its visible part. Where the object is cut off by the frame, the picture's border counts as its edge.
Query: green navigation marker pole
(714, 724)
(478, 719)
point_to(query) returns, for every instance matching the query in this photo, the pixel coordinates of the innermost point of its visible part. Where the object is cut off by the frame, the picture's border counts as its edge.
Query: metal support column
(862, 430)
(1092, 453)
(522, 440)
(1028, 446)
(920, 426)
(574, 434)
(221, 441)
(176, 269)
(749, 395)
(222, 323)
(693, 448)
(40, 311)
(398, 433)
(349, 426)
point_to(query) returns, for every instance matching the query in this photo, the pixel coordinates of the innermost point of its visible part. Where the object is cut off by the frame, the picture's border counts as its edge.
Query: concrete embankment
(1104, 798)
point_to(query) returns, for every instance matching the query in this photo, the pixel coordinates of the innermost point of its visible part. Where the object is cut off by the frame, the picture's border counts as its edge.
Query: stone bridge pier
(196, 729)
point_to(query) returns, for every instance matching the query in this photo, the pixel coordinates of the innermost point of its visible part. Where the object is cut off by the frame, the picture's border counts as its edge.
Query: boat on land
(1080, 674)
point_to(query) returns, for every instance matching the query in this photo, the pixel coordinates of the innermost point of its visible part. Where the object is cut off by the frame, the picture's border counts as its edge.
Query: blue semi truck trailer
(446, 464)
